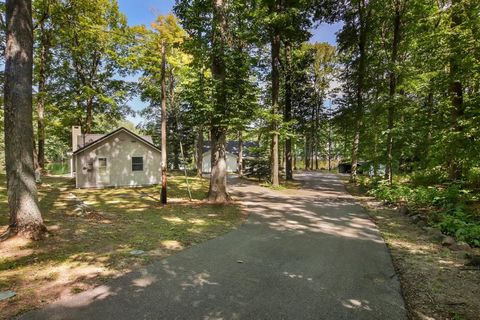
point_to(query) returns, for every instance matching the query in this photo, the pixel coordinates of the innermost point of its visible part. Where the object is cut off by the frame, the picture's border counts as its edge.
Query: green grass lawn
(82, 250)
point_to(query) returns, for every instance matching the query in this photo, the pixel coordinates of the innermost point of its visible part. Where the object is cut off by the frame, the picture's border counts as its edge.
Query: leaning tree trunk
(287, 115)
(163, 197)
(25, 217)
(218, 177)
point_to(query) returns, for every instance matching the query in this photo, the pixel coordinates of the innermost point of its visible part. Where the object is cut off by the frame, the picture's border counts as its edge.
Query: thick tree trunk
(25, 217)
(240, 154)
(456, 95)
(275, 56)
(392, 90)
(163, 196)
(199, 154)
(218, 178)
(287, 116)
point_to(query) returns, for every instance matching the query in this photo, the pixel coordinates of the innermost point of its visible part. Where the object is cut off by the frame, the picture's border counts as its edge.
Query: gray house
(119, 158)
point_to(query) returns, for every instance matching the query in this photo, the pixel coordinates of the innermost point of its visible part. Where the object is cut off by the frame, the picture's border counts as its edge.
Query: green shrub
(429, 177)
(473, 177)
(458, 222)
(57, 168)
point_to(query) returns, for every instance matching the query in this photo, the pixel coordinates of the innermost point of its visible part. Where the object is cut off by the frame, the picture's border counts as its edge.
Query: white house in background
(232, 151)
(232, 165)
(119, 158)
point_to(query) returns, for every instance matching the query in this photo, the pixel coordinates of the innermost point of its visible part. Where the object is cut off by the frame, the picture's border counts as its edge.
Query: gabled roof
(85, 139)
(100, 138)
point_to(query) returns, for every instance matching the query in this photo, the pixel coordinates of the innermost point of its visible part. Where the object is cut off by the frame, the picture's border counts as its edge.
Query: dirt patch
(435, 282)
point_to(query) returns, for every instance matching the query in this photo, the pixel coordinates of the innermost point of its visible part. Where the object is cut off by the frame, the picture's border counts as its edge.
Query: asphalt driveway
(305, 254)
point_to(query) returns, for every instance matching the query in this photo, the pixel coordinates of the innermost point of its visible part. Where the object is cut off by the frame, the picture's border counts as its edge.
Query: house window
(137, 163)
(102, 165)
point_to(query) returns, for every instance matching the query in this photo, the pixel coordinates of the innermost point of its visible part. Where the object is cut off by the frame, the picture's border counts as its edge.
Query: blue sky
(146, 11)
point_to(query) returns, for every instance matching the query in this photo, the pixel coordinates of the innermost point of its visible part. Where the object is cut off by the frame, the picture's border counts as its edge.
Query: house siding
(232, 165)
(119, 150)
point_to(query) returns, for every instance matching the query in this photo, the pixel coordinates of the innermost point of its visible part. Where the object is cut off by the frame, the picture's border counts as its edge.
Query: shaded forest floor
(120, 230)
(436, 284)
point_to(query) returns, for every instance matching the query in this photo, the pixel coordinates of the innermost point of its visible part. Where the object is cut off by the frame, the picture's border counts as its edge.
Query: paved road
(308, 254)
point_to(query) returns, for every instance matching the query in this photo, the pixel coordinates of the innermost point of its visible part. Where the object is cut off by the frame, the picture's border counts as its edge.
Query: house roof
(90, 140)
(232, 147)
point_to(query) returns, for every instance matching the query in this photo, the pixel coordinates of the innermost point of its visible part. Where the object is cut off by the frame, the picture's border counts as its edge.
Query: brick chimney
(76, 133)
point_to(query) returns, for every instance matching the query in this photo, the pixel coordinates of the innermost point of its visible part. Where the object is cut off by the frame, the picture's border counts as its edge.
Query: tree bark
(218, 177)
(392, 90)
(25, 216)
(287, 116)
(163, 196)
(199, 160)
(218, 180)
(362, 42)
(456, 95)
(240, 154)
(89, 116)
(42, 79)
(275, 57)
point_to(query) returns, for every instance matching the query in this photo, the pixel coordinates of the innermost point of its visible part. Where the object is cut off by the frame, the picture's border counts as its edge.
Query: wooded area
(398, 96)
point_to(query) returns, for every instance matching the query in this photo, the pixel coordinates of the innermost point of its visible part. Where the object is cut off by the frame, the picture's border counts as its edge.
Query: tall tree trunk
(199, 155)
(163, 196)
(294, 152)
(317, 126)
(218, 177)
(89, 117)
(42, 79)
(362, 42)
(275, 48)
(307, 153)
(312, 138)
(25, 217)
(176, 135)
(275, 57)
(392, 90)
(287, 116)
(456, 94)
(240, 154)
(429, 135)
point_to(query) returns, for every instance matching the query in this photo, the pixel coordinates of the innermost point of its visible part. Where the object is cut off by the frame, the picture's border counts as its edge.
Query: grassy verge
(85, 249)
(435, 282)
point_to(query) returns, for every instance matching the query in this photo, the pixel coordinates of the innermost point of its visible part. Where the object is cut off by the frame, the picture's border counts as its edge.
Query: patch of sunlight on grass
(175, 220)
(172, 245)
(197, 221)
